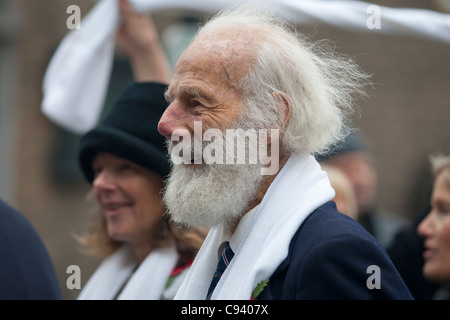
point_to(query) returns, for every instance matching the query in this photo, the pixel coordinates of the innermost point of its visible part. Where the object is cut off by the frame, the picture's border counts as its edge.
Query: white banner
(76, 79)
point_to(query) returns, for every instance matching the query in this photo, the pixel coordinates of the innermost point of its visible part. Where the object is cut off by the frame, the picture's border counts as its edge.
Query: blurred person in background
(26, 270)
(345, 195)
(355, 160)
(406, 252)
(125, 160)
(435, 229)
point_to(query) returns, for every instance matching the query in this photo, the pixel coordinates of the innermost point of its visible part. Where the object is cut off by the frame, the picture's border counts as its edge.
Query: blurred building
(405, 119)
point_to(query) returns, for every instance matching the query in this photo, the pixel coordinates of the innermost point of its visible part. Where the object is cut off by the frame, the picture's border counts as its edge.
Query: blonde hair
(440, 164)
(342, 186)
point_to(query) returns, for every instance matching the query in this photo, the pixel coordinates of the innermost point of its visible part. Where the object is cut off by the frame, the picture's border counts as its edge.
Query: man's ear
(285, 108)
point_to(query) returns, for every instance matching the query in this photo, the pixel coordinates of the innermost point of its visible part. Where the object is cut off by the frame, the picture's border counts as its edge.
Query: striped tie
(224, 260)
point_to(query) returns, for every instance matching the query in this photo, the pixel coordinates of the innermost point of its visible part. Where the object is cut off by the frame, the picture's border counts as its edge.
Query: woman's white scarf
(146, 283)
(300, 188)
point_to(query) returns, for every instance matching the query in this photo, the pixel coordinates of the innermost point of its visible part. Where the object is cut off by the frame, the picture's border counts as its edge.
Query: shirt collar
(236, 238)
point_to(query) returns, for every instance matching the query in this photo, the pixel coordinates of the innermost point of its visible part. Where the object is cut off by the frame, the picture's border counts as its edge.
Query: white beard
(209, 195)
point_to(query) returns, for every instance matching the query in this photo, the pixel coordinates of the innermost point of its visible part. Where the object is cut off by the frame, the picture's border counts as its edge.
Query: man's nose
(171, 120)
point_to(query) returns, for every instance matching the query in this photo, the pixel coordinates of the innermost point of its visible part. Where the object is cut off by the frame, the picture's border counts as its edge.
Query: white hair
(320, 84)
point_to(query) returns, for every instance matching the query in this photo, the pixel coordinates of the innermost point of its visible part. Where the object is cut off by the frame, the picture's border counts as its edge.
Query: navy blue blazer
(26, 271)
(330, 257)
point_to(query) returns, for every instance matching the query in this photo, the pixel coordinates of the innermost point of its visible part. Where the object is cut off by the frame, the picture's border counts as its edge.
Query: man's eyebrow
(192, 91)
(168, 96)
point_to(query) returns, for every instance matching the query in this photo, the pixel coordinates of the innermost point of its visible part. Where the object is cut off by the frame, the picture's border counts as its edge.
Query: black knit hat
(129, 130)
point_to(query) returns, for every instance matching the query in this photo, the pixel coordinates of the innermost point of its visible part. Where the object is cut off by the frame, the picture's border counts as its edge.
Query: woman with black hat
(125, 160)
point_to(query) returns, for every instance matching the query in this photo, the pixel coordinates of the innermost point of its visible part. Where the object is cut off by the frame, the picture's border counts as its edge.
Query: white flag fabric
(76, 79)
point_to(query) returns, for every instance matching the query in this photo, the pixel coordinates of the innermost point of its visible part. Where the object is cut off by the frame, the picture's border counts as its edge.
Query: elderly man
(275, 231)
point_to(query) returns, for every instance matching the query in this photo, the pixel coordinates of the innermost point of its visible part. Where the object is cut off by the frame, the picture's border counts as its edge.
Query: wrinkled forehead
(228, 54)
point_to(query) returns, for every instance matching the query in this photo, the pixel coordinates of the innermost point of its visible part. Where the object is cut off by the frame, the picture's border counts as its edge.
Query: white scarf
(300, 188)
(146, 283)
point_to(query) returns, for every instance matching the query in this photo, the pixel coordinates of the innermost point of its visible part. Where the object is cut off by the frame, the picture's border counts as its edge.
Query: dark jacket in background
(26, 270)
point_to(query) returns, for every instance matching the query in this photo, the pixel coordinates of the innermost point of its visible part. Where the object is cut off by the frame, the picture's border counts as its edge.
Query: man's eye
(196, 103)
